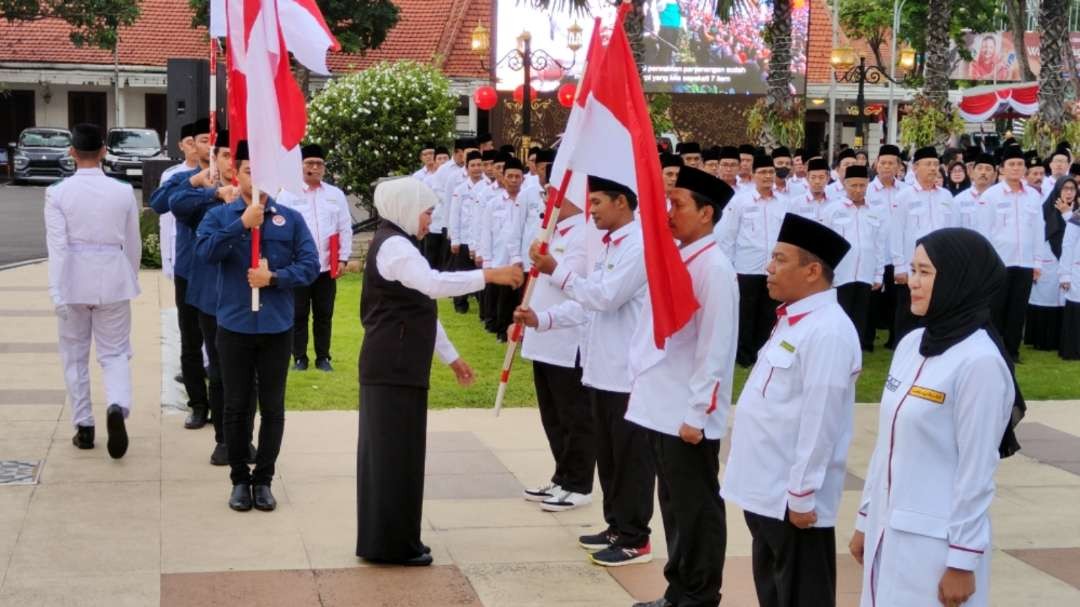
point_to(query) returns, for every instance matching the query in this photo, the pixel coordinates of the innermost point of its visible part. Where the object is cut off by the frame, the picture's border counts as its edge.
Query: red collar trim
(566, 230)
(793, 319)
(608, 240)
(695, 255)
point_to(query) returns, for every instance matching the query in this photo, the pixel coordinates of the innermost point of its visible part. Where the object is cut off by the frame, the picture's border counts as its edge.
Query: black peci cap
(761, 161)
(599, 184)
(729, 152)
(856, 171)
(513, 163)
(746, 148)
(312, 150)
(704, 184)
(688, 147)
(545, 155)
(473, 155)
(888, 150)
(925, 153)
(814, 238)
(489, 155)
(241, 152)
(781, 152)
(817, 164)
(200, 127)
(670, 160)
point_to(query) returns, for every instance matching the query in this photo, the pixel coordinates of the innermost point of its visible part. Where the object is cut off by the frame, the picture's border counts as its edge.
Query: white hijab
(400, 201)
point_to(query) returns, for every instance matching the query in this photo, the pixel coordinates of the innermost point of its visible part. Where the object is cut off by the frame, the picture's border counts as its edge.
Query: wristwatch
(273, 279)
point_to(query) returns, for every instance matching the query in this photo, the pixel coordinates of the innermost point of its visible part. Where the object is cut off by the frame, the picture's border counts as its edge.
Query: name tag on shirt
(927, 394)
(785, 345)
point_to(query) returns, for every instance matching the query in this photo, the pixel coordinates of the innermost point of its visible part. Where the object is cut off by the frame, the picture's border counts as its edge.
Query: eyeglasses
(314, 163)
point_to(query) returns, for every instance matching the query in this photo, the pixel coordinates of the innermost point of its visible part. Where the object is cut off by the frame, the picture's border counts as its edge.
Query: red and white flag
(616, 142)
(262, 91)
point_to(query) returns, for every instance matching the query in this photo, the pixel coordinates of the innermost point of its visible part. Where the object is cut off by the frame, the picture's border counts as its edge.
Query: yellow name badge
(785, 345)
(927, 394)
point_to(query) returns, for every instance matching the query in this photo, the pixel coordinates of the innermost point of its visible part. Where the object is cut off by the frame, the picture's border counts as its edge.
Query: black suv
(127, 148)
(41, 155)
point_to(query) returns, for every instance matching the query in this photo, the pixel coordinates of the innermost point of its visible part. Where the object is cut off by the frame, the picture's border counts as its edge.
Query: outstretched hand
(463, 372)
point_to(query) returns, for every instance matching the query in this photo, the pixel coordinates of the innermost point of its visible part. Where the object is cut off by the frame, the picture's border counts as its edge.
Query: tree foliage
(373, 123)
(93, 22)
(359, 25)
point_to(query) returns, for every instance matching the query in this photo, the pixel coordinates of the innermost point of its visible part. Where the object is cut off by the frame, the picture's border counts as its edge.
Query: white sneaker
(541, 493)
(566, 500)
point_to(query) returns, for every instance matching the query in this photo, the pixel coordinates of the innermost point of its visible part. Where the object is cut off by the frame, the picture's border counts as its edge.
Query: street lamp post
(525, 59)
(843, 59)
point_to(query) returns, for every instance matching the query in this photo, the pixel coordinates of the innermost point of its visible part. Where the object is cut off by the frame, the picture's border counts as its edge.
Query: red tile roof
(819, 45)
(163, 31)
(435, 31)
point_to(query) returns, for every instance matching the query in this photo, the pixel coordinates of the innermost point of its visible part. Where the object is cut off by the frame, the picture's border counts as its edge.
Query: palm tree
(778, 35)
(936, 72)
(1053, 22)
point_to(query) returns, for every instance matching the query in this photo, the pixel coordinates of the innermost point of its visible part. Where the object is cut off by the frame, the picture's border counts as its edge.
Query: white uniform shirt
(326, 212)
(167, 225)
(425, 175)
(544, 344)
(525, 221)
(867, 231)
(92, 234)
(464, 211)
(791, 191)
(919, 212)
(835, 190)
(400, 260)
(443, 183)
(612, 296)
(1019, 229)
(494, 237)
(926, 500)
(690, 380)
(809, 207)
(794, 417)
(880, 195)
(975, 213)
(1047, 291)
(1069, 265)
(748, 229)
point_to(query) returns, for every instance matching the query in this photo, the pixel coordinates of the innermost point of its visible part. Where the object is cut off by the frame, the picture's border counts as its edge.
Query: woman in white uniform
(947, 413)
(1042, 329)
(1069, 277)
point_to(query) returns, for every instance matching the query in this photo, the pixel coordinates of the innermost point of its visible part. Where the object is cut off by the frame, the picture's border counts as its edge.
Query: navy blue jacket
(189, 205)
(185, 236)
(286, 244)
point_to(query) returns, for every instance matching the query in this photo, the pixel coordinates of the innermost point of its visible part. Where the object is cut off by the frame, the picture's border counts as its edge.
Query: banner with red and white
(266, 106)
(616, 141)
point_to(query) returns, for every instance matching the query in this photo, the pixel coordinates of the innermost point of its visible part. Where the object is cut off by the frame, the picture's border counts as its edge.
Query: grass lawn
(1043, 376)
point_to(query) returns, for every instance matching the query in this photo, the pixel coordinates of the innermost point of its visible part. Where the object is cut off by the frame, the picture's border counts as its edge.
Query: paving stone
(381, 586)
(32, 397)
(28, 348)
(239, 589)
(545, 584)
(27, 313)
(1062, 563)
(471, 486)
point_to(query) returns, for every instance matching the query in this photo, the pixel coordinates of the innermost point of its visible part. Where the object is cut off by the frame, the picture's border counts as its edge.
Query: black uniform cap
(712, 188)
(761, 161)
(312, 150)
(781, 152)
(746, 148)
(613, 188)
(688, 147)
(711, 154)
(200, 127)
(985, 159)
(729, 152)
(441, 149)
(513, 163)
(926, 152)
(888, 150)
(848, 153)
(814, 238)
(856, 171)
(670, 160)
(473, 155)
(817, 164)
(489, 155)
(545, 155)
(241, 152)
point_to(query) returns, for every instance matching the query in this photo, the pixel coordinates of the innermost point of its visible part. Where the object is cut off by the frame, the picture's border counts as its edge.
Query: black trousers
(243, 358)
(390, 472)
(854, 298)
(1010, 307)
(488, 299)
(905, 321)
(208, 325)
(694, 518)
(191, 344)
(625, 466)
(757, 315)
(460, 262)
(1069, 348)
(507, 300)
(568, 424)
(316, 300)
(792, 567)
(436, 249)
(883, 306)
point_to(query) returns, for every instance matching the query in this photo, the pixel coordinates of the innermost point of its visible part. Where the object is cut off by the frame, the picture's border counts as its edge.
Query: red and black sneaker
(616, 556)
(598, 541)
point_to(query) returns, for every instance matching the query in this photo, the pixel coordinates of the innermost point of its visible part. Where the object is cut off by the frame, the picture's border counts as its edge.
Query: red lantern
(485, 97)
(567, 92)
(519, 94)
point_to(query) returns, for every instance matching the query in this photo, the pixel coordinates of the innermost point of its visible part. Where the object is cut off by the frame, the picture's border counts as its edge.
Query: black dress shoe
(425, 548)
(240, 500)
(197, 419)
(118, 438)
(84, 437)
(252, 454)
(420, 560)
(264, 499)
(301, 364)
(323, 364)
(220, 456)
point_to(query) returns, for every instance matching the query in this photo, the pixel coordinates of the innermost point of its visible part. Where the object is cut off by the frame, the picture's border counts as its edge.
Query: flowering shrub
(373, 123)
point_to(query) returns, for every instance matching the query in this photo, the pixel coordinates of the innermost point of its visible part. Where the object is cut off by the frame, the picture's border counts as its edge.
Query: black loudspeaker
(188, 97)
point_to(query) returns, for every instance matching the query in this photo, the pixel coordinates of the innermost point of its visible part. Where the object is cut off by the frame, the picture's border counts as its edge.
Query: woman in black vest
(401, 333)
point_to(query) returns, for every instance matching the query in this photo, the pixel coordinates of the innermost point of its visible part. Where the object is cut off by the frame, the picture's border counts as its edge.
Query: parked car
(127, 148)
(41, 155)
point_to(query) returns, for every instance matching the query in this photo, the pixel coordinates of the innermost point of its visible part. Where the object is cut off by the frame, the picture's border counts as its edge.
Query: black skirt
(1069, 349)
(1042, 330)
(390, 472)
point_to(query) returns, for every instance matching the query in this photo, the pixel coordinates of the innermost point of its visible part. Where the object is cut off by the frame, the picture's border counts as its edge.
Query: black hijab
(953, 187)
(969, 275)
(1055, 223)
